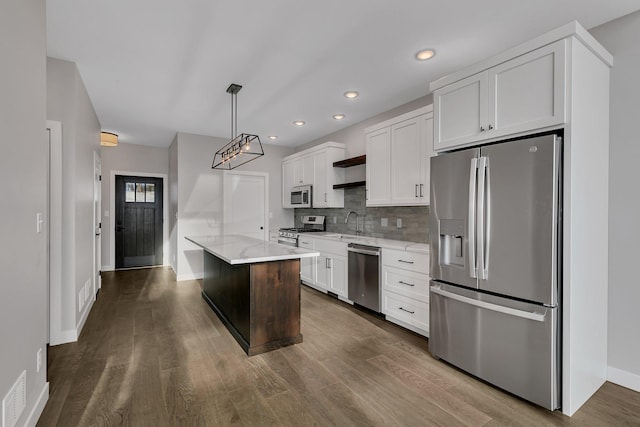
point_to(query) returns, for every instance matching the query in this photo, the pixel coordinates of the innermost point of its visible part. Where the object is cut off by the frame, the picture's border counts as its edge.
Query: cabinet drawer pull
(403, 309)
(405, 283)
(421, 190)
(417, 190)
(406, 262)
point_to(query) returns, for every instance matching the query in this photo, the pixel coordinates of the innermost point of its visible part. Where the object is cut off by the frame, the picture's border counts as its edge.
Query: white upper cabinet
(314, 167)
(398, 153)
(303, 170)
(460, 111)
(378, 169)
(517, 96)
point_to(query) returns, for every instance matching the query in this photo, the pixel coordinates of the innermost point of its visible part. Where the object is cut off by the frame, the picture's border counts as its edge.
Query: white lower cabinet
(327, 272)
(405, 289)
(307, 265)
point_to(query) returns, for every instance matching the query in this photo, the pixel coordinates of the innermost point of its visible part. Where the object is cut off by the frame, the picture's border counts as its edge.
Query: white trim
(85, 314)
(314, 148)
(225, 213)
(67, 336)
(112, 211)
(35, 413)
(56, 335)
(401, 118)
(190, 276)
(623, 378)
(97, 220)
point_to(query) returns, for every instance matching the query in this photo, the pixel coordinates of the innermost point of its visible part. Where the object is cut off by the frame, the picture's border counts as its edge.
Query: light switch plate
(384, 222)
(399, 223)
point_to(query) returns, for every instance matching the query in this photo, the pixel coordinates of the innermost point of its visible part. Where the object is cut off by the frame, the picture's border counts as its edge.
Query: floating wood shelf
(349, 184)
(354, 161)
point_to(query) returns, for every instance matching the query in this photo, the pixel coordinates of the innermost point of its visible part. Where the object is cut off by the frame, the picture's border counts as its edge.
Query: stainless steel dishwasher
(364, 275)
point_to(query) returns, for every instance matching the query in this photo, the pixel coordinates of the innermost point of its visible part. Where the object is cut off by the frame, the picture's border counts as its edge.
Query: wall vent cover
(14, 402)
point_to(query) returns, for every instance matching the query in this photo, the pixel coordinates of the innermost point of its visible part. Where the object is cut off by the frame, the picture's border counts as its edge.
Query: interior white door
(97, 221)
(246, 198)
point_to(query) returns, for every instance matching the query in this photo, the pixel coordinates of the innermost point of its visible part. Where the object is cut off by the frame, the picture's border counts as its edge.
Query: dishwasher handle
(364, 250)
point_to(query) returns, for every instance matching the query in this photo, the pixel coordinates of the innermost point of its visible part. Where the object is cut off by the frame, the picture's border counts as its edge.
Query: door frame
(112, 211)
(97, 221)
(225, 181)
(54, 188)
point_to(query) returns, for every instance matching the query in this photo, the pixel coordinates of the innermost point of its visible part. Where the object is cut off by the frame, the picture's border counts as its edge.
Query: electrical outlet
(335, 220)
(39, 360)
(81, 299)
(106, 214)
(384, 222)
(399, 223)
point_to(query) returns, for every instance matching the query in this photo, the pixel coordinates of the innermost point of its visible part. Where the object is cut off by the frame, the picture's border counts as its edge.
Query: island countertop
(236, 249)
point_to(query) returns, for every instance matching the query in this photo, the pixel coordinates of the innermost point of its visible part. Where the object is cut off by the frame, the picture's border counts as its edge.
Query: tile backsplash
(415, 219)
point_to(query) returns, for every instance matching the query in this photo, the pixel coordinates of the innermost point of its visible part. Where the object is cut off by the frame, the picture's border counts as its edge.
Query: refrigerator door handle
(487, 223)
(482, 171)
(473, 177)
(538, 317)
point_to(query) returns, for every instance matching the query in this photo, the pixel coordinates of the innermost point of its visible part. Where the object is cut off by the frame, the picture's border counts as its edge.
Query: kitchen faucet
(357, 216)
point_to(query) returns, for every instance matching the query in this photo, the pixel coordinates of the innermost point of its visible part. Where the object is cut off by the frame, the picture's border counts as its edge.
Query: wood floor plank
(152, 353)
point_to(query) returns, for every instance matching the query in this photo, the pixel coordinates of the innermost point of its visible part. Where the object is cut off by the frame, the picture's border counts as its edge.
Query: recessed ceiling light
(338, 116)
(299, 123)
(351, 94)
(425, 54)
(272, 137)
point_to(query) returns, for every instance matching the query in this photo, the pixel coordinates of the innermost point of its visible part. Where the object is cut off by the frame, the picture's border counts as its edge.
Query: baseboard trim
(182, 277)
(107, 268)
(65, 337)
(623, 378)
(35, 413)
(85, 314)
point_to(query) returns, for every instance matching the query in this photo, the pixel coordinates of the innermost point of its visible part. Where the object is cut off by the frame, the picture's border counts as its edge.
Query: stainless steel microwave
(301, 196)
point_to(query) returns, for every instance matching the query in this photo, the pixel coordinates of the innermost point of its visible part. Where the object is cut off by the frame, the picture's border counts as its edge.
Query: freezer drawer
(510, 344)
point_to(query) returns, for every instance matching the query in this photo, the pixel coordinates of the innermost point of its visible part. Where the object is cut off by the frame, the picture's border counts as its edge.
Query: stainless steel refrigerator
(495, 230)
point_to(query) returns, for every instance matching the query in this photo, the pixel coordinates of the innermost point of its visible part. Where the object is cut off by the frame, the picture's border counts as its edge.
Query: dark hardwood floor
(152, 353)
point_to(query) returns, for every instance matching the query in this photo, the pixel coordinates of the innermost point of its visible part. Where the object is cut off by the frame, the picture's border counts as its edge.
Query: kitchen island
(254, 288)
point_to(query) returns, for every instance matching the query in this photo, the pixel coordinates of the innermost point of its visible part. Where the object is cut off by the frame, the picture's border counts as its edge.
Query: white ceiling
(154, 67)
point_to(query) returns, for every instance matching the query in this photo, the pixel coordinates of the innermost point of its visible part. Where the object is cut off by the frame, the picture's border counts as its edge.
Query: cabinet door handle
(405, 283)
(421, 190)
(406, 262)
(325, 197)
(416, 190)
(490, 127)
(481, 129)
(403, 309)
(366, 194)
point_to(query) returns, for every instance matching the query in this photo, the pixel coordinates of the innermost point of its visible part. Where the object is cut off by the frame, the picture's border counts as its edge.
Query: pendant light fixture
(242, 148)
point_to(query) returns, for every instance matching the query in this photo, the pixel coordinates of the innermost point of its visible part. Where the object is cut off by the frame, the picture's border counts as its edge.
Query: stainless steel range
(310, 224)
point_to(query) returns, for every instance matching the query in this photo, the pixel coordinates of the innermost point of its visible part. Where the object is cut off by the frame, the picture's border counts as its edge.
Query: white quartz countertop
(401, 245)
(236, 249)
(375, 241)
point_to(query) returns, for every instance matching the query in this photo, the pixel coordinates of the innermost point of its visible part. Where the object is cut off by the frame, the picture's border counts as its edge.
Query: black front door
(138, 221)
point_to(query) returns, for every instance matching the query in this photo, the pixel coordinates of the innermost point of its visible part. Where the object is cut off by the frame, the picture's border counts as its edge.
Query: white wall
(199, 207)
(69, 103)
(621, 37)
(126, 158)
(23, 171)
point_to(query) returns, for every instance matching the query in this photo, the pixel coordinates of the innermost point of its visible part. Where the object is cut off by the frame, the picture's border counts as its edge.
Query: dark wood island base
(259, 303)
